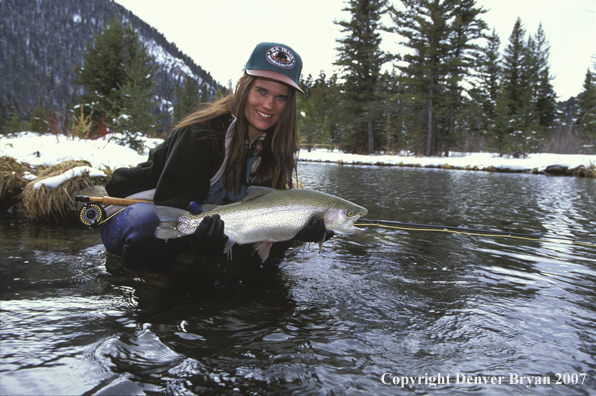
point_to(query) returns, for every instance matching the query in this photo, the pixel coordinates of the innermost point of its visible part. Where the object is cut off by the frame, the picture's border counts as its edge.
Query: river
(395, 310)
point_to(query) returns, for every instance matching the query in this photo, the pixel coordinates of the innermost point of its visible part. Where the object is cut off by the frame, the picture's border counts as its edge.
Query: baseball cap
(277, 62)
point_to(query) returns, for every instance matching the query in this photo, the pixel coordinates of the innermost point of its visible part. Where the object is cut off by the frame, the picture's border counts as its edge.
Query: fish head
(341, 216)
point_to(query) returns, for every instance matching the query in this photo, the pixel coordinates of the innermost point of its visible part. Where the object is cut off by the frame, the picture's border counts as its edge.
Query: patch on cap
(281, 57)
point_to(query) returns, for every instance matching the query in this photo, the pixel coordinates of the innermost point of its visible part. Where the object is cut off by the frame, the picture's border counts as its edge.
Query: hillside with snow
(41, 40)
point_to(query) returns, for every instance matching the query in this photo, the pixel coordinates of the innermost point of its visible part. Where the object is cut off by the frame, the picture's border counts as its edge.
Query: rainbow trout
(266, 216)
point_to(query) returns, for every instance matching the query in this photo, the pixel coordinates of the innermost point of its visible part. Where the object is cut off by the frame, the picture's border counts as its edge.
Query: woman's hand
(314, 231)
(209, 231)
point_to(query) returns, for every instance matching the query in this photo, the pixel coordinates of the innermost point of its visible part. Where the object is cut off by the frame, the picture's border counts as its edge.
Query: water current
(391, 311)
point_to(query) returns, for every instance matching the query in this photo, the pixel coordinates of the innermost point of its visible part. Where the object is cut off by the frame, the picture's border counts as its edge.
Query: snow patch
(55, 181)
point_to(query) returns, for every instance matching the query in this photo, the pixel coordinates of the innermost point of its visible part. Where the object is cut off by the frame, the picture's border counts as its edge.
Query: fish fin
(168, 217)
(321, 243)
(255, 192)
(263, 249)
(209, 207)
(228, 247)
(167, 232)
(168, 214)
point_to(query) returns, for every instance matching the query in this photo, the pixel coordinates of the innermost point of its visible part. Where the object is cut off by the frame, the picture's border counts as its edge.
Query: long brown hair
(278, 158)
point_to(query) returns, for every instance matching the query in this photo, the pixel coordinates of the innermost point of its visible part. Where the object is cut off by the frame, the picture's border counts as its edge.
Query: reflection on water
(404, 303)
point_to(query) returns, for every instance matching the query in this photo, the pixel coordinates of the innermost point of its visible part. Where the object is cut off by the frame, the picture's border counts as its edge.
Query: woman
(213, 155)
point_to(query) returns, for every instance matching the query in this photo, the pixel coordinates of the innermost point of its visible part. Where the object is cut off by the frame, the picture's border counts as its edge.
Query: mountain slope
(40, 41)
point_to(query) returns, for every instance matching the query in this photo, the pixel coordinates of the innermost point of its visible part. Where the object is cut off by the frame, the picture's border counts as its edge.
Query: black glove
(314, 231)
(209, 232)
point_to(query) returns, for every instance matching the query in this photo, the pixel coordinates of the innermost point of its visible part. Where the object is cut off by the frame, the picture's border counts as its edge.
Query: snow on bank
(36, 149)
(538, 162)
(54, 182)
(48, 150)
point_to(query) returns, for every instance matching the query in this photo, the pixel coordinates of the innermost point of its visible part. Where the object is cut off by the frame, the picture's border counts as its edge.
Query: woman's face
(266, 102)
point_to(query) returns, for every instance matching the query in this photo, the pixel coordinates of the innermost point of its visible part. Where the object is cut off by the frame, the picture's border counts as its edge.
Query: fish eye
(350, 213)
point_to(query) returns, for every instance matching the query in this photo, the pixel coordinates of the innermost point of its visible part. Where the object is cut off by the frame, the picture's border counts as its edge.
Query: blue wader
(130, 235)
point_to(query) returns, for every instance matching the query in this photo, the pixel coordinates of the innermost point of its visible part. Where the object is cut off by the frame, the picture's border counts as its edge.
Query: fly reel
(92, 214)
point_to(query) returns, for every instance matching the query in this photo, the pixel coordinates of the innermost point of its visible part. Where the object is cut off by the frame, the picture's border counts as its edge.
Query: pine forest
(456, 87)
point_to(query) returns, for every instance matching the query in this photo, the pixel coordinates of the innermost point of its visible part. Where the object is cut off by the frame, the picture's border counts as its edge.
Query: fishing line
(468, 231)
(114, 214)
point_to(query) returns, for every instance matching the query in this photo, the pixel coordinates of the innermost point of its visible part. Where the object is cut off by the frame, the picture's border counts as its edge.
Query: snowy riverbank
(48, 150)
(535, 163)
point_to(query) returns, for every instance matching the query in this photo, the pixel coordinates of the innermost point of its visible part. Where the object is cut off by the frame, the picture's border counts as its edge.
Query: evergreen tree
(334, 125)
(489, 75)
(129, 110)
(103, 71)
(500, 128)
(360, 59)
(527, 132)
(136, 116)
(544, 92)
(305, 119)
(464, 53)
(13, 124)
(204, 96)
(187, 98)
(314, 109)
(441, 35)
(519, 81)
(38, 122)
(118, 81)
(586, 104)
(4, 116)
(424, 26)
(530, 99)
(389, 106)
(218, 94)
(514, 58)
(227, 90)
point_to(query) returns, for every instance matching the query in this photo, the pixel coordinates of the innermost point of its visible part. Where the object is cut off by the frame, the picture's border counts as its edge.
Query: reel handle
(110, 200)
(93, 214)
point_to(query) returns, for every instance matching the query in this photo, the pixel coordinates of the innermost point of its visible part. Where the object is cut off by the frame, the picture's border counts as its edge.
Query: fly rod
(440, 227)
(110, 200)
(469, 231)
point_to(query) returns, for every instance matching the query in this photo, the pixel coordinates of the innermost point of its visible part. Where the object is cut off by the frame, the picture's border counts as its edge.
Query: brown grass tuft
(11, 181)
(582, 171)
(54, 204)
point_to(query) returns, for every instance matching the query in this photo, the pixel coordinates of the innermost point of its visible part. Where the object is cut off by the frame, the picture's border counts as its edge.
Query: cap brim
(271, 75)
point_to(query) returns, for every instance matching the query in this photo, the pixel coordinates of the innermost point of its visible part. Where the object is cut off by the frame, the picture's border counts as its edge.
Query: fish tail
(162, 232)
(168, 217)
(168, 214)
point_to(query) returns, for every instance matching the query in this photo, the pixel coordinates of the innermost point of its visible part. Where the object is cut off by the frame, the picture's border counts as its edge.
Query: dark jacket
(180, 168)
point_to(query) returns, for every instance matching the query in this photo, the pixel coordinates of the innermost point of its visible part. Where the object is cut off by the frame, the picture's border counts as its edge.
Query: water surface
(353, 319)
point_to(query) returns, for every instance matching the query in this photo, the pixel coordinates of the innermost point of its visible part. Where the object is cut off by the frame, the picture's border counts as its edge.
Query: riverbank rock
(581, 171)
(556, 170)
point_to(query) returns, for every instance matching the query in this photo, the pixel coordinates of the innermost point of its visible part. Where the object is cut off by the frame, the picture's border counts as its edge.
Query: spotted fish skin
(266, 216)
